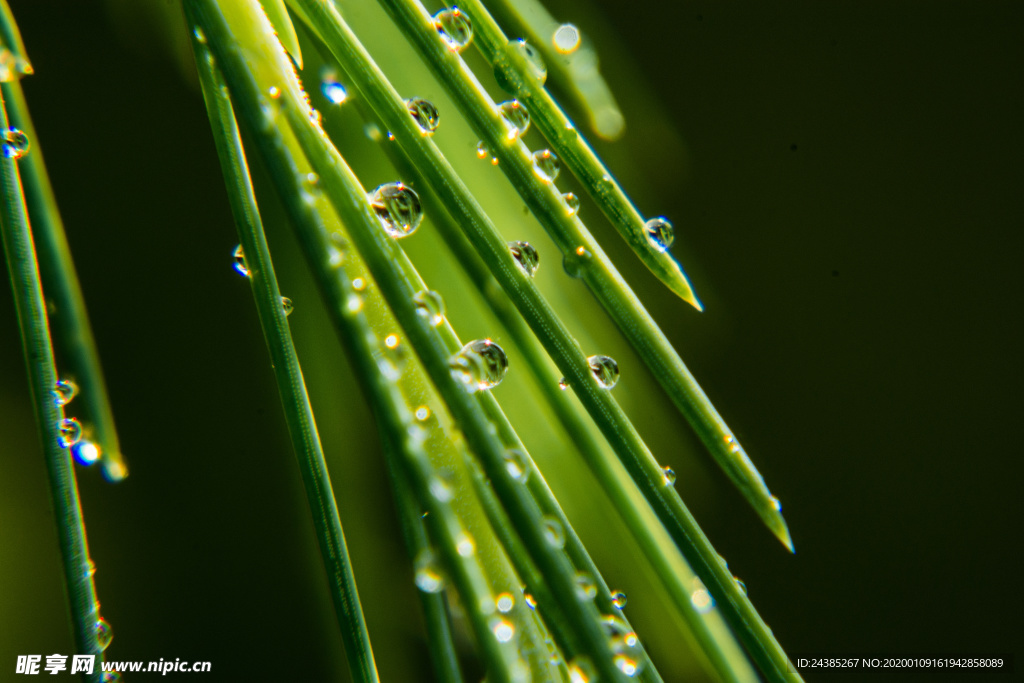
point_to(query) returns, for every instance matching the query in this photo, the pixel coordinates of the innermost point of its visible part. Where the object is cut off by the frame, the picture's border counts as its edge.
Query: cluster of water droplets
(479, 365)
(484, 152)
(424, 113)
(69, 429)
(398, 209)
(455, 28)
(15, 143)
(627, 653)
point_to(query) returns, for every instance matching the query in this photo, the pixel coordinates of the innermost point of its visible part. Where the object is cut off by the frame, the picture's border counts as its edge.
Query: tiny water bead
(440, 490)
(427, 572)
(85, 452)
(455, 28)
(581, 670)
(554, 534)
(332, 89)
(398, 209)
(104, 633)
(526, 257)
(503, 630)
(422, 414)
(576, 261)
(479, 365)
(572, 203)
(287, 305)
(70, 432)
(464, 546)
(586, 589)
(619, 600)
(354, 304)
(563, 384)
(64, 391)
(15, 144)
(517, 118)
(517, 464)
(566, 39)
(430, 305)
(668, 476)
(660, 233)
(241, 267)
(605, 371)
(359, 284)
(530, 601)
(424, 113)
(534, 62)
(739, 584)
(546, 165)
(505, 602)
(484, 152)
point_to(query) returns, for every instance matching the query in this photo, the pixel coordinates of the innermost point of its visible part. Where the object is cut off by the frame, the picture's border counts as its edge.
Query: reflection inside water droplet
(517, 118)
(430, 305)
(605, 370)
(287, 305)
(572, 203)
(479, 365)
(454, 28)
(15, 144)
(241, 267)
(398, 209)
(424, 113)
(517, 464)
(546, 165)
(554, 533)
(526, 257)
(668, 476)
(64, 391)
(70, 432)
(660, 233)
(619, 599)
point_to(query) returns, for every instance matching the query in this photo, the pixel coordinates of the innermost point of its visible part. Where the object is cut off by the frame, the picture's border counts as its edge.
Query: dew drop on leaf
(454, 27)
(605, 371)
(398, 209)
(526, 257)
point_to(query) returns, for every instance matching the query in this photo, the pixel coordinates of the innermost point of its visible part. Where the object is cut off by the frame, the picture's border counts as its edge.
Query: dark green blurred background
(845, 182)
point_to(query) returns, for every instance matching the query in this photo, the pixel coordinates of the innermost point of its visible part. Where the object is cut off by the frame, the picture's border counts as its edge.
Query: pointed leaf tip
(277, 13)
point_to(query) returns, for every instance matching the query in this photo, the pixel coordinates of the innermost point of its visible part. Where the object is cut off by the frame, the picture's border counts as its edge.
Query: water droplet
(526, 257)
(739, 584)
(392, 364)
(354, 304)
(503, 630)
(63, 391)
(530, 601)
(668, 476)
(274, 92)
(359, 284)
(85, 452)
(15, 144)
(576, 261)
(484, 152)
(454, 28)
(424, 113)
(241, 267)
(465, 546)
(659, 233)
(586, 589)
(517, 118)
(627, 653)
(479, 365)
(554, 534)
(619, 600)
(70, 432)
(398, 209)
(505, 602)
(581, 670)
(287, 305)
(534, 62)
(517, 464)
(422, 414)
(427, 573)
(605, 371)
(104, 633)
(572, 203)
(546, 165)
(563, 384)
(566, 39)
(430, 305)
(200, 36)
(439, 489)
(776, 503)
(700, 598)
(333, 90)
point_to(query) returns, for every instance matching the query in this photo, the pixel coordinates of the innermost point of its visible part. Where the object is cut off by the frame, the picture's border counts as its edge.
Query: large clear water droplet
(576, 261)
(605, 371)
(104, 633)
(566, 39)
(398, 209)
(517, 464)
(430, 305)
(86, 452)
(70, 432)
(619, 600)
(479, 365)
(503, 630)
(553, 531)
(424, 113)
(526, 257)
(534, 62)
(546, 165)
(64, 391)
(454, 27)
(332, 89)
(287, 305)
(668, 476)
(586, 589)
(517, 118)
(15, 143)
(428, 574)
(241, 267)
(572, 203)
(660, 233)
